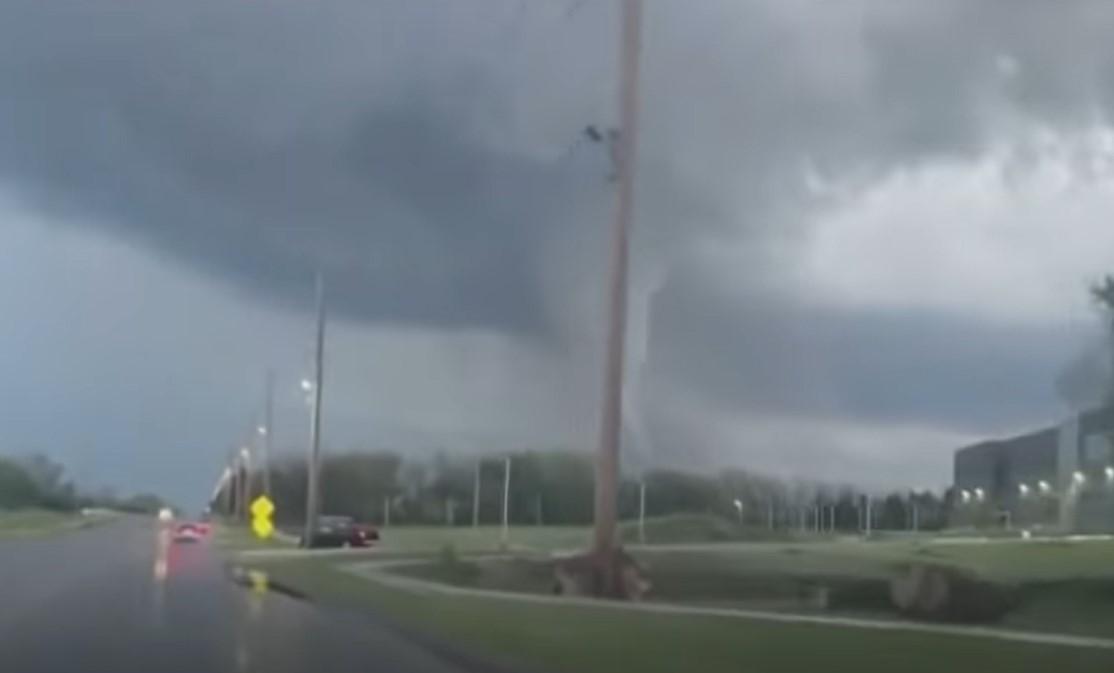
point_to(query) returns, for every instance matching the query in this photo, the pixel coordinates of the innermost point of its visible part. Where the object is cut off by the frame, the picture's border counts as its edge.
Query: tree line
(556, 488)
(37, 481)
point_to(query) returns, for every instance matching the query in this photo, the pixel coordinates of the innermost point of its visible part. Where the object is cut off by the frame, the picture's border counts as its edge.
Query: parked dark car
(341, 531)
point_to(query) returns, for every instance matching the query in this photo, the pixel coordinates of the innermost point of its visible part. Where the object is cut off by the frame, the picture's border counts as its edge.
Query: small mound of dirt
(616, 575)
(945, 593)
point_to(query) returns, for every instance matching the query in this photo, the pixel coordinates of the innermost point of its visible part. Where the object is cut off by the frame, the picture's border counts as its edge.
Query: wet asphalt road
(123, 598)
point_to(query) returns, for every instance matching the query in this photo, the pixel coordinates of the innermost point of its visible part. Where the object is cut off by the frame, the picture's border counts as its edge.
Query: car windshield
(573, 336)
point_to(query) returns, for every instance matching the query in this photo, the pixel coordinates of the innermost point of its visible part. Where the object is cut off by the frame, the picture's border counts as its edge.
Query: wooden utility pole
(607, 467)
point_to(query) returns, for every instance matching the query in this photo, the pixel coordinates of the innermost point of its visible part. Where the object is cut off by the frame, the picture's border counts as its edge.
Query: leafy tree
(17, 488)
(142, 503)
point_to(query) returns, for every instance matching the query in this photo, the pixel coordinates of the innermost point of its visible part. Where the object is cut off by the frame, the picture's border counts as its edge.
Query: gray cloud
(780, 355)
(389, 143)
(425, 156)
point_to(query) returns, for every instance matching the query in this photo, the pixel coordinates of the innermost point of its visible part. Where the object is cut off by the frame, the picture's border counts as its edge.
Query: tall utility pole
(868, 516)
(232, 486)
(312, 494)
(642, 511)
(506, 499)
(267, 429)
(243, 471)
(607, 468)
(476, 495)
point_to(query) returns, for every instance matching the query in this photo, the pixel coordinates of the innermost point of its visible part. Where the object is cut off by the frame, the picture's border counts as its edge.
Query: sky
(863, 237)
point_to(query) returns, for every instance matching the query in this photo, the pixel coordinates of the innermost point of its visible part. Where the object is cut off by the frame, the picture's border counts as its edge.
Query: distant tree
(355, 484)
(847, 511)
(46, 473)
(674, 491)
(142, 503)
(17, 488)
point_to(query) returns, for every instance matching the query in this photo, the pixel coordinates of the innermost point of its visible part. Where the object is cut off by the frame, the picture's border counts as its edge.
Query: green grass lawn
(233, 537)
(677, 529)
(1042, 560)
(1065, 587)
(484, 539)
(585, 639)
(35, 522)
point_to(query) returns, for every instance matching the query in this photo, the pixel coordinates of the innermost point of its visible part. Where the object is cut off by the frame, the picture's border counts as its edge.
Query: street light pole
(230, 488)
(869, 516)
(476, 496)
(267, 430)
(243, 473)
(642, 511)
(607, 470)
(506, 499)
(312, 486)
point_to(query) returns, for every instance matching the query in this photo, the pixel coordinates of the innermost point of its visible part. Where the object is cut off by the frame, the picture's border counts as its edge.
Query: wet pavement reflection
(129, 597)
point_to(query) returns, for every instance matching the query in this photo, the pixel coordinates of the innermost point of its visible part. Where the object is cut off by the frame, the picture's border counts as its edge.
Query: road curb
(373, 571)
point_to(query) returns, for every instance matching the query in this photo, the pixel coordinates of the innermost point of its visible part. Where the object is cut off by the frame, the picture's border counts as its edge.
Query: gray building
(1059, 478)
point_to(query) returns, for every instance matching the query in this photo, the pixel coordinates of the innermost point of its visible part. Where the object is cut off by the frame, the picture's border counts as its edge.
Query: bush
(451, 569)
(945, 593)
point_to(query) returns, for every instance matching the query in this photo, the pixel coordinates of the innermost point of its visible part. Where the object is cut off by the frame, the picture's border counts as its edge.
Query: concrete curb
(374, 571)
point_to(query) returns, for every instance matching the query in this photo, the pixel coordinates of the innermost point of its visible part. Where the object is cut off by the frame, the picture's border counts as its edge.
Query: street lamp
(1109, 474)
(307, 385)
(1044, 486)
(261, 430)
(1079, 478)
(1023, 489)
(739, 506)
(242, 474)
(965, 495)
(980, 494)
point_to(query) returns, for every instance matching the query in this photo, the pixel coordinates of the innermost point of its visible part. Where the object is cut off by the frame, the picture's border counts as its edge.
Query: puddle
(259, 582)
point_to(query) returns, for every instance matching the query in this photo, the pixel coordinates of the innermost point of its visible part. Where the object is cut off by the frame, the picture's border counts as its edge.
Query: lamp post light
(739, 507)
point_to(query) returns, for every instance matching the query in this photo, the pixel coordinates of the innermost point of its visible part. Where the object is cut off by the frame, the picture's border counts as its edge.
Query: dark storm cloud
(770, 355)
(243, 138)
(401, 148)
(261, 141)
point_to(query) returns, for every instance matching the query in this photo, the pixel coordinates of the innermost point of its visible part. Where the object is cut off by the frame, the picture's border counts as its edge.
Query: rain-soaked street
(124, 597)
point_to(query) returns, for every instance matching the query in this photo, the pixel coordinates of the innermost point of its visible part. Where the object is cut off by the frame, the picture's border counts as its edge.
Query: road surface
(124, 598)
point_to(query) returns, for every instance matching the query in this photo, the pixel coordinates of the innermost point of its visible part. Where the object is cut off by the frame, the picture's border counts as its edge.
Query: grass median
(557, 637)
(22, 523)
